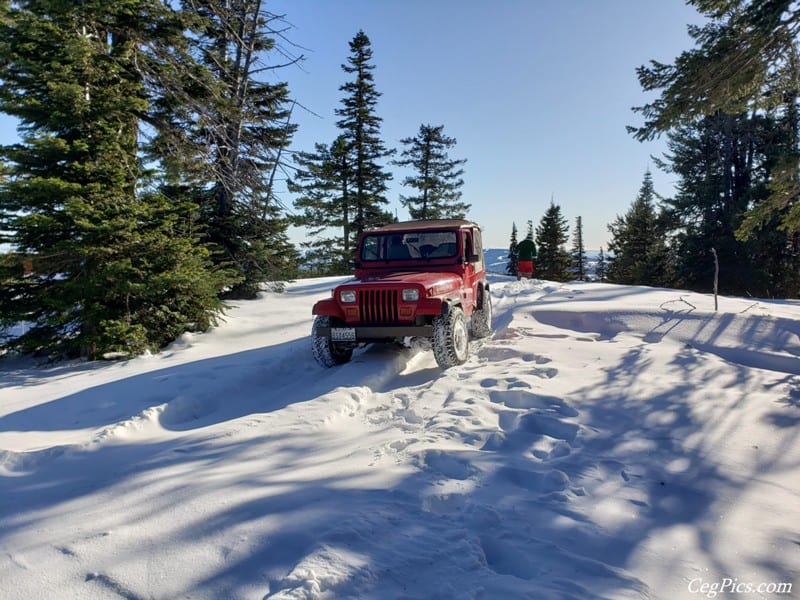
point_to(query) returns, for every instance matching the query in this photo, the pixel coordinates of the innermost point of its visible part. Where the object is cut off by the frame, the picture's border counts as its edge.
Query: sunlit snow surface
(606, 441)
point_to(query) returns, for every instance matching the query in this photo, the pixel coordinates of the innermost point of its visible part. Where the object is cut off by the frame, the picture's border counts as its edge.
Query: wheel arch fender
(449, 303)
(327, 308)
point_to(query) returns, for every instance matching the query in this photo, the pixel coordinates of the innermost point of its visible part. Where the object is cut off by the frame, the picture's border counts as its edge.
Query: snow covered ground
(605, 442)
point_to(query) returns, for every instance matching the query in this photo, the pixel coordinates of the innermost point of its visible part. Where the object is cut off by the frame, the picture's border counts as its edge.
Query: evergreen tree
(638, 242)
(360, 127)
(750, 47)
(511, 266)
(437, 178)
(323, 181)
(601, 268)
(551, 236)
(234, 140)
(529, 235)
(724, 165)
(578, 251)
(111, 269)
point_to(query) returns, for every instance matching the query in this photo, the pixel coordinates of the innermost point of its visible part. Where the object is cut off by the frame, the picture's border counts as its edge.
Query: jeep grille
(378, 306)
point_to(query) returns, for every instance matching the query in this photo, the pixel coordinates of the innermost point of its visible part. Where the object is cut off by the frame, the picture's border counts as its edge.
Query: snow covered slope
(606, 441)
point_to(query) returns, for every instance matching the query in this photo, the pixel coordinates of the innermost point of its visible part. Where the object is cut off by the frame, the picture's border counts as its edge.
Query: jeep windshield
(409, 246)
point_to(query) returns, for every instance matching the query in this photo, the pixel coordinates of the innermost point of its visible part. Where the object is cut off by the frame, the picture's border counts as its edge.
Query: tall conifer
(360, 127)
(744, 60)
(724, 166)
(109, 269)
(234, 133)
(323, 181)
(578, 254)
(437, 177)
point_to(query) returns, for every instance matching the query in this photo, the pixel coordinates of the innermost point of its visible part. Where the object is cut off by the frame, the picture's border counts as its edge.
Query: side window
(476, 236)
(478, 247)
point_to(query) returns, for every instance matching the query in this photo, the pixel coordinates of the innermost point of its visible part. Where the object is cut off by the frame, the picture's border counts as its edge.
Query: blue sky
(537, 94)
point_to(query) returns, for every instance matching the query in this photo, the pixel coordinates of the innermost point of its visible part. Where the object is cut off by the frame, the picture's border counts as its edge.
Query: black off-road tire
(451, 338)
(482, 318)
(328, 353)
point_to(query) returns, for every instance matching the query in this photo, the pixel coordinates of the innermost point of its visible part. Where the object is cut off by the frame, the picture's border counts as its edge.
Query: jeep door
(473, 271)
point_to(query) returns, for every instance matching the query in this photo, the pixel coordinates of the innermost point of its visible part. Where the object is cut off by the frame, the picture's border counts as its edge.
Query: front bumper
(372, 333)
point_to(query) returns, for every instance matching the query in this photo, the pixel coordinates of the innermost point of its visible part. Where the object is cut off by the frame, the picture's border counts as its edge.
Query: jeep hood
(427, 279)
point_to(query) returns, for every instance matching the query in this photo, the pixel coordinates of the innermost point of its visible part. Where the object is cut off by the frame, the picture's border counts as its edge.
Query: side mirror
(473, 258)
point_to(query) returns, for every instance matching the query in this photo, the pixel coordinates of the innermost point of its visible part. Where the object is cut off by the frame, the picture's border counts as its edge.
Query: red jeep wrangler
(414, 279)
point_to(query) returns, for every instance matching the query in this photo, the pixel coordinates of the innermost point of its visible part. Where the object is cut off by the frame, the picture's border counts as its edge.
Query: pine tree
(724, 165)
(437, 178)
(323, 181)
(112, 269)
(578, 254)
(638, 242)
(511, 266)
(235, 138)
(601, 268)
(750, 48)
(529, 234)
(360, 127)
(551, 236)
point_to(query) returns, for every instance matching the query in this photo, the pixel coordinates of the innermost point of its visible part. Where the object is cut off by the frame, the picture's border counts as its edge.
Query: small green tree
(511, 265)
(551, 236)
(601, 268)
(637, 242)
(578, 253)
(437, 177)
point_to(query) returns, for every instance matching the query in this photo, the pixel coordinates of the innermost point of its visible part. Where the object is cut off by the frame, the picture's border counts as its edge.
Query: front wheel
(326, 352)
(451, 338)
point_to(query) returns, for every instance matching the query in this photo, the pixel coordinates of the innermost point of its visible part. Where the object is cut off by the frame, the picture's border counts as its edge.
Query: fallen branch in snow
(749, 307)
(681, 299)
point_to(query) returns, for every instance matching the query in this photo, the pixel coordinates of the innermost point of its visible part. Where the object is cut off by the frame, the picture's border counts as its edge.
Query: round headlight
(410, 295)
(347, 296)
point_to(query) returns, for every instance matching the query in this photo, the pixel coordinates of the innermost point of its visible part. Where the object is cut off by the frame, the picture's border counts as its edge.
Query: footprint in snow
(448, 465)
(540, 435)
(501, 353)
(514, 398)
(552, 450)
(508, 383)
(546, 425)
(534, 481)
